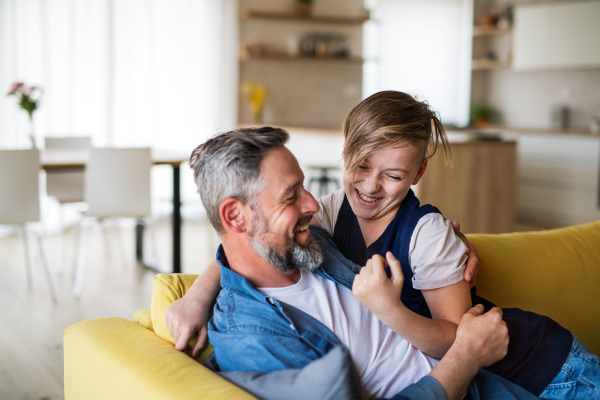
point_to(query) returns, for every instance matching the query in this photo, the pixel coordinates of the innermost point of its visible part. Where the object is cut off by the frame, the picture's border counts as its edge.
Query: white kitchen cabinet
(557, 36)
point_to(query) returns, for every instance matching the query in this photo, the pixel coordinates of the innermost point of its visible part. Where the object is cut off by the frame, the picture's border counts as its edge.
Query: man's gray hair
(228, 165)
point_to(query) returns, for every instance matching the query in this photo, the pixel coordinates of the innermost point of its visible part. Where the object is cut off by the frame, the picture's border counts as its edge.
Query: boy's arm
(189, 315)
(473, 260)
(381, 295)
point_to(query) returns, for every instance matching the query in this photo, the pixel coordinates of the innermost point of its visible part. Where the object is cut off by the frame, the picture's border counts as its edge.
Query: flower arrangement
(256, 94)
(29, 98)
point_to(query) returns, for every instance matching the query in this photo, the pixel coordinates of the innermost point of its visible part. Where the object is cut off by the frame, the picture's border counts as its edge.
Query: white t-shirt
(385, 361)
(436, 255)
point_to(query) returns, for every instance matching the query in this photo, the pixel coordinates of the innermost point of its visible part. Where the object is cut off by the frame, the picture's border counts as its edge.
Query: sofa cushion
(330, 377)
(167, 289)
(143, 318)
(554, 273)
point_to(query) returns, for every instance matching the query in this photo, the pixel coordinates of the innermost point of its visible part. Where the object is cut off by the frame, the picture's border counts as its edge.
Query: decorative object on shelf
(489, 19)
(325, 45)
(482, 114)
(505, 19)
(304, 8)
(29, 98)
(256, 94)
(561, 117)
(595, 125)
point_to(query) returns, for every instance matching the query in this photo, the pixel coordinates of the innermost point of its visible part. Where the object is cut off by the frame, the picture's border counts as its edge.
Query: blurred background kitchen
(517, 84)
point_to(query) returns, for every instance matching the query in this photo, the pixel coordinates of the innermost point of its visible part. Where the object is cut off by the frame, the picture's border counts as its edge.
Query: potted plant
(482, 114)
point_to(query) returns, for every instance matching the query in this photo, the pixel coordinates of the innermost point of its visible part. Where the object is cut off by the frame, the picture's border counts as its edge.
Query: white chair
(66, 186)
(20, 200)
(117, 184)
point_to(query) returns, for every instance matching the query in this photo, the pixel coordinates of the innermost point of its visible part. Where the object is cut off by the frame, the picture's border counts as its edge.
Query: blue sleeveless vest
(538, 346)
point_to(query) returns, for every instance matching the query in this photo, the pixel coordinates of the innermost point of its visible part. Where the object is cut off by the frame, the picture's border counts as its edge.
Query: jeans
(579, 377)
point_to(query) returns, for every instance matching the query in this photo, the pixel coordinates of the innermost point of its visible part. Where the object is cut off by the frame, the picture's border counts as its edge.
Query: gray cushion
(330, 377)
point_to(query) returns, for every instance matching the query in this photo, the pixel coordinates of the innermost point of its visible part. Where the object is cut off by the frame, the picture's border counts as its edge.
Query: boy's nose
(371, 185)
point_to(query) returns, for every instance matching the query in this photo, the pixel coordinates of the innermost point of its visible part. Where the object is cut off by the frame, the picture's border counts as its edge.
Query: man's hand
(472, 267)
(374, 289)
(185, 318)
(483, 336)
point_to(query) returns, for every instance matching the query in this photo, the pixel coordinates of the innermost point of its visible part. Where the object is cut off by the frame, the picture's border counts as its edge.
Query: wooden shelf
(285, 57)
(279, 16)
(489, 31)
(484, 64)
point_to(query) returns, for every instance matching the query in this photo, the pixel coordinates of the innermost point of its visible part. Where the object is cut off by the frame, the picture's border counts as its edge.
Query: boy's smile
(381, 183)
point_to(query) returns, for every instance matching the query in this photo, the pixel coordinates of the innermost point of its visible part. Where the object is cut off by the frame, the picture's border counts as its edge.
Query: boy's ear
(421, 171)
(233, 217)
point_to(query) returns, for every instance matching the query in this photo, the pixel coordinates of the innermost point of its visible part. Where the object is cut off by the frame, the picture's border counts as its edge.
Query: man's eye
(292, 197)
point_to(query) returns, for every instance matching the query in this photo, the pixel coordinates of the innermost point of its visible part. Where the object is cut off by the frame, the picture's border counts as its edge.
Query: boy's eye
(362, 167)
(396, 178)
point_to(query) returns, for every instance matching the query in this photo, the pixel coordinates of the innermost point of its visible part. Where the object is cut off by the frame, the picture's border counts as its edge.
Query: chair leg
(104, 224)
(76, 245)
(154, 245)
(60, 242)
(121, 246)
(45, 267)
(27, 257)
(81, 265)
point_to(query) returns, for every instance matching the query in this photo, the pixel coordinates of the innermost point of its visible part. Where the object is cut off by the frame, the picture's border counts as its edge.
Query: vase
(32, 132)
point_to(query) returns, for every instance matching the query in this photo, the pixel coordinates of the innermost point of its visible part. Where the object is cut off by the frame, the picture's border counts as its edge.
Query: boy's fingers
(379, 265)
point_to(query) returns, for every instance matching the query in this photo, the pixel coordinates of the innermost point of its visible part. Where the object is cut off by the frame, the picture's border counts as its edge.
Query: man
(251, 187)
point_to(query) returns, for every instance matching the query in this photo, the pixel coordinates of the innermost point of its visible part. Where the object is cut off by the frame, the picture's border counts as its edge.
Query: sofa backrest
(554, 273)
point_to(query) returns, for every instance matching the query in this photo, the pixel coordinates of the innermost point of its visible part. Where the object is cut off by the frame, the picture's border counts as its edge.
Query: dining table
(76, 159)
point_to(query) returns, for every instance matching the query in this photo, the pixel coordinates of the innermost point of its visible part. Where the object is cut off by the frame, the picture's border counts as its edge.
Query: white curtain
(159, 73)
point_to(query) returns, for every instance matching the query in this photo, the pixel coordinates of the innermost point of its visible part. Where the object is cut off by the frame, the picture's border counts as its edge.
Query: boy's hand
(186, 318)
(472, 267)
(374, 289)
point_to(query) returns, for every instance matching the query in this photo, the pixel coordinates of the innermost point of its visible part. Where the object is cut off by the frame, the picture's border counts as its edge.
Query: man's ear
(421, 171)
(233, 217)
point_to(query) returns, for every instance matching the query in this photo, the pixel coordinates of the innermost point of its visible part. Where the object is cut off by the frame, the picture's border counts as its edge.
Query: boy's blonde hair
(387, 119)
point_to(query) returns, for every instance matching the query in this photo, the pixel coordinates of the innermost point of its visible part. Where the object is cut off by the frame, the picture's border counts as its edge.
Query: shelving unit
(279, 16)
(490, 30)
(285, 57)
(303, 90)
(485, 64)
(488, 33)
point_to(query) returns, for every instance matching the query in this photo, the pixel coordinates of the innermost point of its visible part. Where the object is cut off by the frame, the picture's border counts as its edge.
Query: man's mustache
(302, 222)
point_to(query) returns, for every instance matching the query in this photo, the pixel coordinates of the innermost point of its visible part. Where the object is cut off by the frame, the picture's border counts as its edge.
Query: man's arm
(189, 315)
(481, 340)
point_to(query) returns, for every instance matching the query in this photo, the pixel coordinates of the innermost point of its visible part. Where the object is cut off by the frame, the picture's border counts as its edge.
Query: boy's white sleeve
(437, 256)
(329, 208)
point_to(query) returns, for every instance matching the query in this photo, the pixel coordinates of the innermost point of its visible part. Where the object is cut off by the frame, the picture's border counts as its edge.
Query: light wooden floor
(31, 327)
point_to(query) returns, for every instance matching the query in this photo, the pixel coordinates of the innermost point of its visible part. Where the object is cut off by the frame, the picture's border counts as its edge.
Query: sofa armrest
(113, 358)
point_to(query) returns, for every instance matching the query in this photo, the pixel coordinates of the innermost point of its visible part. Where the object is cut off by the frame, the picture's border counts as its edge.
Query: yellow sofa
(555, 273)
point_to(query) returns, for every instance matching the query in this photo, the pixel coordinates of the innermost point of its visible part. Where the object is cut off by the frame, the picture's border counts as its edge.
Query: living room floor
(32, 328)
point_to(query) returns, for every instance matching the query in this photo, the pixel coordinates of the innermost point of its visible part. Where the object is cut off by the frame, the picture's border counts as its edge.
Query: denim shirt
(251, 331)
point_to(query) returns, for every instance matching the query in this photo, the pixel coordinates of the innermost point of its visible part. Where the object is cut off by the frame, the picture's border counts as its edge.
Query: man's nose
(309, 204)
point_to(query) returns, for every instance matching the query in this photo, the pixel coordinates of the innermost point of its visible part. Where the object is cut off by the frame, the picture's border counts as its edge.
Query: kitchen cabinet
(557, 36)
(478, 189)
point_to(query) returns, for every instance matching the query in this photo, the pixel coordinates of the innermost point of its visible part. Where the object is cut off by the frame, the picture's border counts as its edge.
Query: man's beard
(294, 257)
